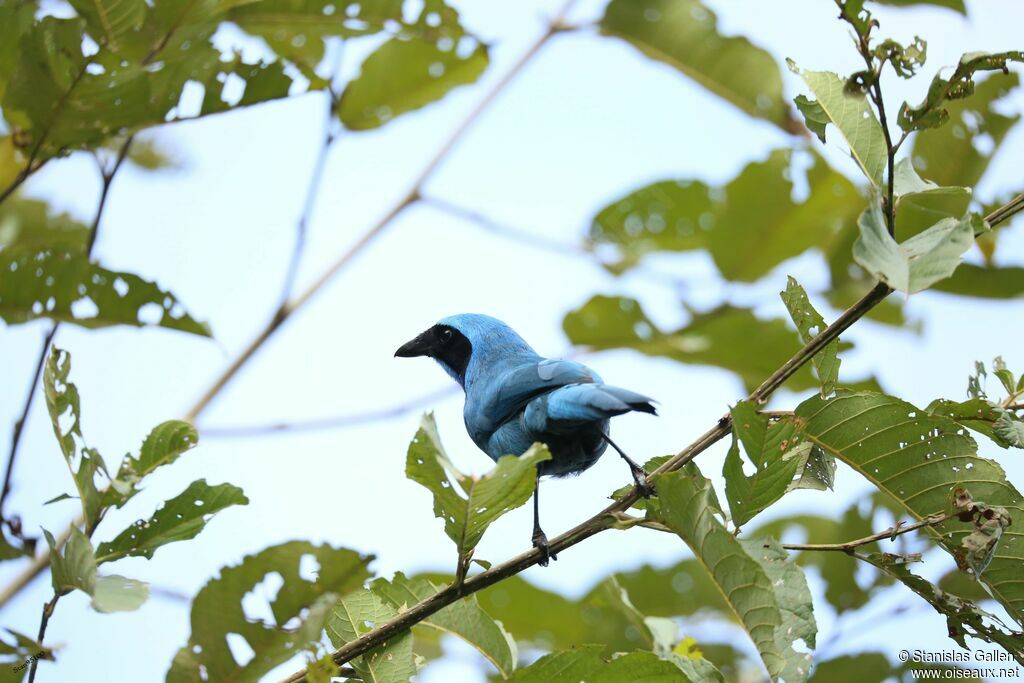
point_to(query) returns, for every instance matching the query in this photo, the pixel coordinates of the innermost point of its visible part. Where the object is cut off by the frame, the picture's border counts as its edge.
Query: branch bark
(607, 517)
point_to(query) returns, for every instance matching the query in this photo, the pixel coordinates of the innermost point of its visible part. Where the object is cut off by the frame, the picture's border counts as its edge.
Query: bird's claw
(540, 542)
(643, 486)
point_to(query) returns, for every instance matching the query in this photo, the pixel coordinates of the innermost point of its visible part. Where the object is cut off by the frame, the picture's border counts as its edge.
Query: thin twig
(48, 609)
(890, 533)
(536, 241)
(107, 177)
(606, 518)
(335, 422)
(407, 199)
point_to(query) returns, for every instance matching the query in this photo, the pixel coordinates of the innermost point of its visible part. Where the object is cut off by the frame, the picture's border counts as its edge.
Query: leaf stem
(606, 518)
(892, 532)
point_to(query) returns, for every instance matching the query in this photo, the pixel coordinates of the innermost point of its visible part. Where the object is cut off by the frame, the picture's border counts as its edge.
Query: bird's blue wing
(504, 395)
(569, 406)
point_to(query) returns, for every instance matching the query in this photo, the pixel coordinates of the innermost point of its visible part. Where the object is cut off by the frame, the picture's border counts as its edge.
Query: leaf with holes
(464, 618)
(403, 75)
(809, 324)
(63, 404)
(355, 615)
(684, 34)
(109, 20)
(178, 519)
(483, 499)
(162, 447)
(310, 577)
(931, 113)
(68, 287)
(779, 457)
(687, 507)
(919, 460)
(852, 116)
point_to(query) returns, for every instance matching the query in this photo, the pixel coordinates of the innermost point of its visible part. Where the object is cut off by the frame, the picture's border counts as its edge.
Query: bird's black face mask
(445, 344)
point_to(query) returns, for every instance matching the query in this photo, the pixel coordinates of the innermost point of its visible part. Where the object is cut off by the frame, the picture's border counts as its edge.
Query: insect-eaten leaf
(771, 606)
(468, 504)
(810, 324)
(931, 113)
(305, 580)
(360, 612)
(178, 519)
(161, 447)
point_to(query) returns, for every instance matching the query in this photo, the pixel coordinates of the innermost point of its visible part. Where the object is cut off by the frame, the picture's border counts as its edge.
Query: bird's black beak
(417, 347)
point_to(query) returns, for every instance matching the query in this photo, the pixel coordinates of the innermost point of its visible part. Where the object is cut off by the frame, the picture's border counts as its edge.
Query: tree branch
(289, 307)
(107, 178)
(606, 518)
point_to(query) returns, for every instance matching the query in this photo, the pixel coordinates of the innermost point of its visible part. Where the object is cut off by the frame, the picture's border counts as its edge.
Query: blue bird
(515, 397)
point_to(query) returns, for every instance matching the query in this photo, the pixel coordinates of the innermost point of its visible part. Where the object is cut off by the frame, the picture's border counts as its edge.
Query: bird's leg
(540, 540)
(639, 475)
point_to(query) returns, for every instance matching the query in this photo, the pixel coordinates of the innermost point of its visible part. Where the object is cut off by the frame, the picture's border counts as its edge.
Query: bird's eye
(445, 336)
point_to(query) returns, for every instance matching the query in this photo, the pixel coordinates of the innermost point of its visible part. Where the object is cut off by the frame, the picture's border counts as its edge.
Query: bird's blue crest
(495, 344)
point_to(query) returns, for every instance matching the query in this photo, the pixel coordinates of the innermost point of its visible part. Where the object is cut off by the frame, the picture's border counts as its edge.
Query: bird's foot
(540, 542)
(643, 485)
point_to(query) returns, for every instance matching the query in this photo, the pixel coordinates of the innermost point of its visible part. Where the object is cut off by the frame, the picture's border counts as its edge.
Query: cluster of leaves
(75, 561)
(758, 210)
(84, 83)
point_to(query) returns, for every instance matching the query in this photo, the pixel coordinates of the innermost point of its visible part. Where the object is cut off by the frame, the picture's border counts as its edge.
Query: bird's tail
(579, 403)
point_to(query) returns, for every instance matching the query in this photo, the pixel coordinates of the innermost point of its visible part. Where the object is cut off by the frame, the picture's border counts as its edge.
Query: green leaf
(758, 212)
(68, 287)
(684, 35)
(905, 61)
(853, 117)
(464, 618)
(482, 499)
(976, 413)
(586, 663)
(217, 610)
(931, 112)
(296, 29)
(779, 458)
(866, 667)
(75, 567)
(16, 656)
(178, 519)
(63, 404)
(726, 337)
(814, 116)
(404, 75)
(161, 447)
(1010, 429)
(920, 203)
(755, 209)
(32, 223)
(794, 601)
(119, 594)
(670, 215)
(109, 20)
(360, 612)
(809, 324)
(917, 263)
(687, 508)
(919, 460)
(955, 154)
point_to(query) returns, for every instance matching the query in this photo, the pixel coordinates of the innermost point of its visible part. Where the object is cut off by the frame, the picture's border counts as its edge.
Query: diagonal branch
(607, 518)
(285, 311)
